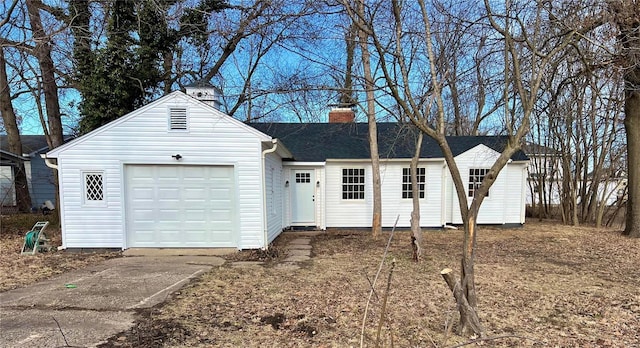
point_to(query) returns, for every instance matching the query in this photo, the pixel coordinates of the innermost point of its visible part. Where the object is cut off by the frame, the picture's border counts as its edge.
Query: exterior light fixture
(177, 156)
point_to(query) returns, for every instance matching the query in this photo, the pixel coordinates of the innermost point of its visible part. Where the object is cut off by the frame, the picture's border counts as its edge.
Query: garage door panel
(180, 206)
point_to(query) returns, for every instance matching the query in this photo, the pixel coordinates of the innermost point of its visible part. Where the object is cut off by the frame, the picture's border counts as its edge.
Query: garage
(180, 206)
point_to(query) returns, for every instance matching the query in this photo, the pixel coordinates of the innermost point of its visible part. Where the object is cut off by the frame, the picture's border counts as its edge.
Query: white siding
(142, 137)
(358, 213)
(514, 195)
(274, 187)
(505, 200)
(393, 204)
(347, 212)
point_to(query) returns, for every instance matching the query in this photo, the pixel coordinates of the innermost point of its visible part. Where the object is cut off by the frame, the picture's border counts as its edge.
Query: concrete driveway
(99, 301)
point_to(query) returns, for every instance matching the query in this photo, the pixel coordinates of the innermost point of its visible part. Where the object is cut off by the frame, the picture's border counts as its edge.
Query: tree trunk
(627, 18)
(376, 223)
(416, 231)
(632, 128)
(42, 52)
(469, 320)
(21, 185)
(468, 258)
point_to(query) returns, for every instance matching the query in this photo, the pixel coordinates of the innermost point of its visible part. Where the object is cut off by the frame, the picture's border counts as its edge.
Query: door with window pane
(303, 205)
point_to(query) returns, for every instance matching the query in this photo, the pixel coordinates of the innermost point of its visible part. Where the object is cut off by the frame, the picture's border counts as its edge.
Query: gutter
(48, 162)
(274, 142)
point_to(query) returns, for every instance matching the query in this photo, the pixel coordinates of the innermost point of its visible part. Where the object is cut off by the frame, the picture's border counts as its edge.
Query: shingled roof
(317, 142)
(30, 143)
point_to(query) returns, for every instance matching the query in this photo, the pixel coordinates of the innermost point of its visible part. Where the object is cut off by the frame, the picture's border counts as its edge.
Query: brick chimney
(342, 115)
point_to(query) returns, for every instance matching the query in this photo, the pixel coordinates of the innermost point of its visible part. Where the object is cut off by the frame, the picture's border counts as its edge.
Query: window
(353, 183)
(303, 178)
(93, 187)
(406, 182)
(178, 118)
(475, 179)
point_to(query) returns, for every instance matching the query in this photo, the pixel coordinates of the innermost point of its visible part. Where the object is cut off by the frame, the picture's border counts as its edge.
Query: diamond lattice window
(93, 187)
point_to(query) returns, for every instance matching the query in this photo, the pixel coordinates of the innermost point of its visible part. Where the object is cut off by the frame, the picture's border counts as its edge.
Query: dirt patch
(276, 252)
(538, 286)
(18, 270)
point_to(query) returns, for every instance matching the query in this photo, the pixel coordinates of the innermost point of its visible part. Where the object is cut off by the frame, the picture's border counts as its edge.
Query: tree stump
(469, 320)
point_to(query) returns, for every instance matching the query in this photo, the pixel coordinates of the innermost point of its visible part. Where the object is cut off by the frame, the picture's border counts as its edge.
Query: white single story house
(178, 173)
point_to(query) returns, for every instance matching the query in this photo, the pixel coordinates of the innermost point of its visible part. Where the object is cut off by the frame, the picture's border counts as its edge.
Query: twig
(366, 308)
(384, 303)
(364, 272)
(66, 343)
(492, 339)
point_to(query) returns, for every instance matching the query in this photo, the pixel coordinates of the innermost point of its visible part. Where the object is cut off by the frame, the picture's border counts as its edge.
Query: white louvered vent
(178, 118)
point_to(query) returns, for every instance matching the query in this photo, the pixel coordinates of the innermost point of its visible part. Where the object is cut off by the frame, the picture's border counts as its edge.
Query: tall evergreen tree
(120, 74)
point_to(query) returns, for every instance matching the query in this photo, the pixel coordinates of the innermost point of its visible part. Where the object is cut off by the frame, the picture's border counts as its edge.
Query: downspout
(274, 142)
(443, 193)
(48, 162)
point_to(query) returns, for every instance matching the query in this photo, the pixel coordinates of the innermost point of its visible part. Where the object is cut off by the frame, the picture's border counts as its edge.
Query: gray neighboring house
(40, 177)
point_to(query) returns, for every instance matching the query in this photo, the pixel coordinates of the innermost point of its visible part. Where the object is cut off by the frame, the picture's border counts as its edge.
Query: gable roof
(167, 98)
(31, 144)
(317, 142)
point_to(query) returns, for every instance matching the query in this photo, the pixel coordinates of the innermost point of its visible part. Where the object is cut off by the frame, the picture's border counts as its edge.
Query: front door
(303, 205)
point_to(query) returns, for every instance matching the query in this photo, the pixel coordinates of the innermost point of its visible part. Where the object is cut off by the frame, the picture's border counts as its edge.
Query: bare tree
(42, 51)
(416, 230)
(369, 86)
(23, 198)
(627, 19)
(404, 54)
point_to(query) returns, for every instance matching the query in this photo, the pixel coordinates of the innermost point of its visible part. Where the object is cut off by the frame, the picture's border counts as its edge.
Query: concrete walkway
(299, 250)
(90, 305)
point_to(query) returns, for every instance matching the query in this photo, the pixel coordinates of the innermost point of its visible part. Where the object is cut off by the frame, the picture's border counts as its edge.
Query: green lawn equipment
(36, 241)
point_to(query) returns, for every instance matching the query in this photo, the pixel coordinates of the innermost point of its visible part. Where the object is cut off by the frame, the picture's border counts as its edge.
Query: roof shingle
(317, 142)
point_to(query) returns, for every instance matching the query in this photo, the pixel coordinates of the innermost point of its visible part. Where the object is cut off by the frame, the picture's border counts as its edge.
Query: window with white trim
(476, 175)
(407, 191)
(177, 118)
(353, 183)
(93, 187)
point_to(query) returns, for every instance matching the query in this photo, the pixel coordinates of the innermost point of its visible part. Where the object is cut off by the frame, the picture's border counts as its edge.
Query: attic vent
(178, 118)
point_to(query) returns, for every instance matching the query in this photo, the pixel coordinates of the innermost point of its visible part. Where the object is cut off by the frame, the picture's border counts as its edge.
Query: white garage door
(180, 206)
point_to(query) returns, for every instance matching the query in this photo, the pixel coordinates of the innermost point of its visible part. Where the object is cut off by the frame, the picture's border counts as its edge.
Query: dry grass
(548, 284)
(18, 271)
